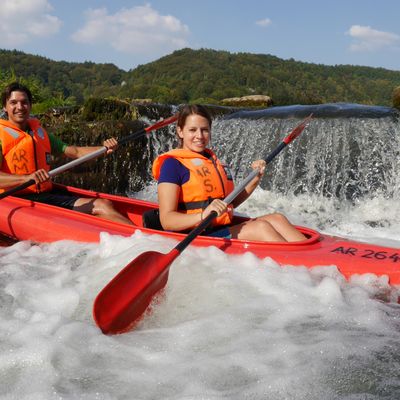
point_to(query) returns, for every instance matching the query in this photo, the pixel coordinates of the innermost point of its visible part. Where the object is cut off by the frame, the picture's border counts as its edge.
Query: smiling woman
(192, 183)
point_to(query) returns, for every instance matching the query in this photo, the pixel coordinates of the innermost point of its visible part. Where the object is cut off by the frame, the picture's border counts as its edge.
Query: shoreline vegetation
(200, 76)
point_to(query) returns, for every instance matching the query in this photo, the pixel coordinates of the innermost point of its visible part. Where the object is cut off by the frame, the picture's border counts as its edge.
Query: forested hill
(76, 80)
(208, 76)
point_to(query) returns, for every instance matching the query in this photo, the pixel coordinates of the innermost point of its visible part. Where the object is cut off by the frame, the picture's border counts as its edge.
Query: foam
(225, 326)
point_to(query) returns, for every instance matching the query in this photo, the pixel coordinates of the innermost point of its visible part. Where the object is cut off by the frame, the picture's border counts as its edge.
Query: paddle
(93, 155)
(125, 298)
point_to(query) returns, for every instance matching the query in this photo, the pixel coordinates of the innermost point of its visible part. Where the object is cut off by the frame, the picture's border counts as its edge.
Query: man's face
(18, 109)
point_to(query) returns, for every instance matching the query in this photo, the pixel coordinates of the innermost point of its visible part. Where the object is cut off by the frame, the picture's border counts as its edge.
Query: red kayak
(27, 220)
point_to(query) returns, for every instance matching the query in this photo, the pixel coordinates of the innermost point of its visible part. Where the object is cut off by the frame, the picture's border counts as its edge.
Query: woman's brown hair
(191, 109)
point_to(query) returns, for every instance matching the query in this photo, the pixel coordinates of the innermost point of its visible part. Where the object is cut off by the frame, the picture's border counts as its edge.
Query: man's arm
(79, 151)
(11, 180)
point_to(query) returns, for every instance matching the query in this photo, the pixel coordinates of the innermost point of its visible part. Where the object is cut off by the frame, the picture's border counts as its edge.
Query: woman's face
(195, 134)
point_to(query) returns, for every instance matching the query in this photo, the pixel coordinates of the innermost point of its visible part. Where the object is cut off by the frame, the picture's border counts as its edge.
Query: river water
(226, 327)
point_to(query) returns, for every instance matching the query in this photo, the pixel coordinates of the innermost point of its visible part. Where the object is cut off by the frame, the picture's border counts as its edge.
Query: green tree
(396, 97)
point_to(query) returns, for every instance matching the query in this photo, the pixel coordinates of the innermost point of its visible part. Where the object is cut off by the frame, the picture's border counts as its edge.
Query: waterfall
(346, 152)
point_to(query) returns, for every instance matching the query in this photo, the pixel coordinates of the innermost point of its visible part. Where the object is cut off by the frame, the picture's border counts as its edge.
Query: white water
(227, 327)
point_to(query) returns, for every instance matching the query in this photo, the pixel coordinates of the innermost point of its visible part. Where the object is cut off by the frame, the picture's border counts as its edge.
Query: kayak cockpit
(151, 220)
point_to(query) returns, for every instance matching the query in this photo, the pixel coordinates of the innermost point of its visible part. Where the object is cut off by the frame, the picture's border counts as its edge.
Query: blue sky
(128, 32)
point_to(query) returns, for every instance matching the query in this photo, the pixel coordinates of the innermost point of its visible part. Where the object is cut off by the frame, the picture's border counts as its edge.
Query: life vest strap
(195, 205)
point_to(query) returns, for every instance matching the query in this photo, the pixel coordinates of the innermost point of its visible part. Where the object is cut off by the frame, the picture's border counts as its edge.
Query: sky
(129, 33)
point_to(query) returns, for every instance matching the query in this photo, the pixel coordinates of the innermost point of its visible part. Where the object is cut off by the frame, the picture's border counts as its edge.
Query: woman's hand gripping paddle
(122, 302)
(93, 155)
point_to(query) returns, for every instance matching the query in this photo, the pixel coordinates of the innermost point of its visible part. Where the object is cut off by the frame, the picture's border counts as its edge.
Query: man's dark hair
(15, 87)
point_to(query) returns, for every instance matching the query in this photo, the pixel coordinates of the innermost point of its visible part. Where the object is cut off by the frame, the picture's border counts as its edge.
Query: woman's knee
(267, 231)
(257, 229)
(261, 225)
(267, 227)
(275, 218)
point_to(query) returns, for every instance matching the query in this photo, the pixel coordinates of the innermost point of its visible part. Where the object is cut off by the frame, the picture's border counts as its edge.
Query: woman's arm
(249, 189)
(170, 218)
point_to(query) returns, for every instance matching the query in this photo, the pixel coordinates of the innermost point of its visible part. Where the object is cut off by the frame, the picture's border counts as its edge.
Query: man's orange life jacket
(24, 153)
(208, 180)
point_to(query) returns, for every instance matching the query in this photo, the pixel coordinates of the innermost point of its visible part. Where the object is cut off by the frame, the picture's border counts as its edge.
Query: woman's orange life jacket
(209, 179)
(24, 153)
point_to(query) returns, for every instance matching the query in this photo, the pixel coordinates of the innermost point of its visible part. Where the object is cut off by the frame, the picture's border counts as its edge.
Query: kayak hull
(22, 219)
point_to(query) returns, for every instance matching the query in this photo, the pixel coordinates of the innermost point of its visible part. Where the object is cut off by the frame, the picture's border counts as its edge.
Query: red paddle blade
(297, 130)
(118, 307)
(162, 123)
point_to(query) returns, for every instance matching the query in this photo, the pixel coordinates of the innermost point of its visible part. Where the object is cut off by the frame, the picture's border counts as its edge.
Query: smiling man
(26, 150)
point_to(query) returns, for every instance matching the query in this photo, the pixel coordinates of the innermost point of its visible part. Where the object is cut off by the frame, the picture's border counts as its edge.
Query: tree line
(200, 76)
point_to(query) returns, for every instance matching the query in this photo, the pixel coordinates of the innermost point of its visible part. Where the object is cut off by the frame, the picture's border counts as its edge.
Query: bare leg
(256, 230)
(268, 228)
(102, 208)
(283, 226)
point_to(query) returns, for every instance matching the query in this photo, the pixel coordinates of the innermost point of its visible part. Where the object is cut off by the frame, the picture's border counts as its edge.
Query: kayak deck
(22, 219)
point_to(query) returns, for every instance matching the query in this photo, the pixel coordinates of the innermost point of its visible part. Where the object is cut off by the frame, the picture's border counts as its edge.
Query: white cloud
(264, 22)
(22, 21)
(368, 39)
(137, 30)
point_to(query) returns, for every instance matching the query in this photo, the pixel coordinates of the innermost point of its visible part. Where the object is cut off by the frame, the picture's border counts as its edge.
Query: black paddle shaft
(74, 163)
(91, 156)
(232, 196)
(132, 136)
(207, 221)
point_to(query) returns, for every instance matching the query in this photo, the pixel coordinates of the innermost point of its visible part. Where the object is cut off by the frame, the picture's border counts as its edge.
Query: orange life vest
(24, 153)
(208, 180)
